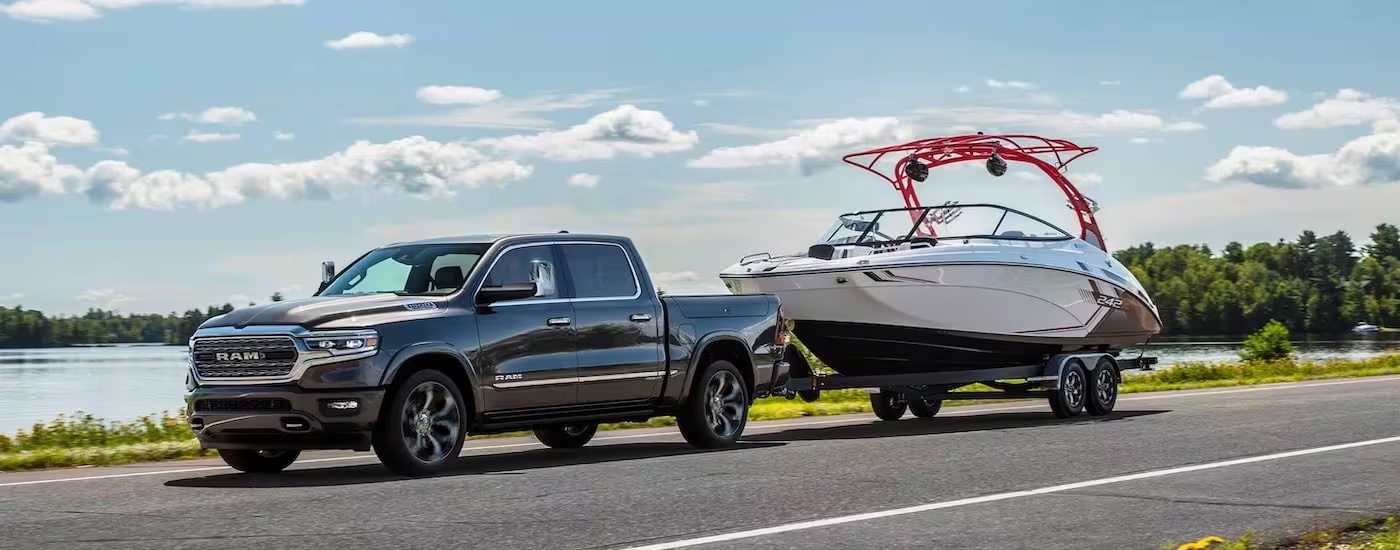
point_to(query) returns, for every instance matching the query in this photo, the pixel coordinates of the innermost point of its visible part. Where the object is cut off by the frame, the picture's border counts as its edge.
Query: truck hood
(325, 312)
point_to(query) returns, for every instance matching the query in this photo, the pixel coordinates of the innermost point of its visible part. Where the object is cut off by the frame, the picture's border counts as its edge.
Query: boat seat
(1012, 233)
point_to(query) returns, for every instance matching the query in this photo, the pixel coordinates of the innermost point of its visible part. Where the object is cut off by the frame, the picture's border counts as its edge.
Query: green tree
(1268, 344)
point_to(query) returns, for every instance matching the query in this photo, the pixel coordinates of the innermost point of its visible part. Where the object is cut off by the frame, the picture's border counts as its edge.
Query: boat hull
(952, 316)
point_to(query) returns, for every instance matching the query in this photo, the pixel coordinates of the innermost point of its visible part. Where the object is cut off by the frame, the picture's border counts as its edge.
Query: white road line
(686, 543)
(860, 419)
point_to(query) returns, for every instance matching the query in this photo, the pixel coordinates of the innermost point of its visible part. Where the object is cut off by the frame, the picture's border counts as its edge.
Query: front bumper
(283, 418)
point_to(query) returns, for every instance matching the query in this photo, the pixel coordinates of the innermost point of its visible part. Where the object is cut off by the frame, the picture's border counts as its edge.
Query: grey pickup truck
(415, 345)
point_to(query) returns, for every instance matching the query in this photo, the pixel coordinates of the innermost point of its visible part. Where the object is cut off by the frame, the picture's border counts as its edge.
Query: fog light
(346, 405)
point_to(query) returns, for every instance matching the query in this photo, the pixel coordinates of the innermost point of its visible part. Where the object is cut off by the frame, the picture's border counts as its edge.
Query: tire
(717, 410)
(566, 436)
(923, 408)
(1068, 401)
(407, 439)
(888, 405)
(1103, 382)
(258, 462)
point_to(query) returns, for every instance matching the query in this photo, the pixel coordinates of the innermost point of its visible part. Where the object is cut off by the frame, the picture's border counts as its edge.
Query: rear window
(600, 271)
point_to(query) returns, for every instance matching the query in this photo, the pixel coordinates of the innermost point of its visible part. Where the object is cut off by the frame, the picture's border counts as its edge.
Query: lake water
(125, 382)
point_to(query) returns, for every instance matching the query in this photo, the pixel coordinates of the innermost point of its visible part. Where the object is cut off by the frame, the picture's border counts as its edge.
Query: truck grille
(272, 404)
(253, 356)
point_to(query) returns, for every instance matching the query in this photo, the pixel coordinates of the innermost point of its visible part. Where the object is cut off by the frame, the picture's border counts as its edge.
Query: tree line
(27, 328)
(1314, 284)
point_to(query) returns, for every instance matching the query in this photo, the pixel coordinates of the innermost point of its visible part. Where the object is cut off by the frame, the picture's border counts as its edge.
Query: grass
(83, 440)
(1379, 534)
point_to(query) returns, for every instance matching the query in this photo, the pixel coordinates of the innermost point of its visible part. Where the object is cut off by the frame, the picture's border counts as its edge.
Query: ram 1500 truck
(415, 345)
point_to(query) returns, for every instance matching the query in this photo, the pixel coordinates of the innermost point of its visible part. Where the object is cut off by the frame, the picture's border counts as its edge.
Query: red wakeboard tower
(917, 157)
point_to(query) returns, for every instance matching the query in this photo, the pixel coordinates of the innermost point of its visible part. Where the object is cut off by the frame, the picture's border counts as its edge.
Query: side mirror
(327, 273)
(515, 291)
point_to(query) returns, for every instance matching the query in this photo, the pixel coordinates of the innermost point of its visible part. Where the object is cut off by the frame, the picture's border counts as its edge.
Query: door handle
(640, 317)
(559, 321)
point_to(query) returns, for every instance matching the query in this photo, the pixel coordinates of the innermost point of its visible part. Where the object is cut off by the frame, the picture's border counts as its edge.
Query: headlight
(344, 344)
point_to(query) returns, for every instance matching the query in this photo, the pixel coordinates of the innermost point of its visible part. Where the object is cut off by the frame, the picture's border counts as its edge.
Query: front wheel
(567, 436)
(718, 407)
(258, 462)
(423, 425)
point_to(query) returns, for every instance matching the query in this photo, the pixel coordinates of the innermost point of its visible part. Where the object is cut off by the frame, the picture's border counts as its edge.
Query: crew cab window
(600, 271)
(530, 264)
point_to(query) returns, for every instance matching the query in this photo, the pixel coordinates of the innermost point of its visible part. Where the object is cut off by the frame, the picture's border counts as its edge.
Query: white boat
(1365, 327)
(953, 286)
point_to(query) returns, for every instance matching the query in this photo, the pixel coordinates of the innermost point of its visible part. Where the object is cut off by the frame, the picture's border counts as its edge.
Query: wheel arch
(721, 345)
(439, 356)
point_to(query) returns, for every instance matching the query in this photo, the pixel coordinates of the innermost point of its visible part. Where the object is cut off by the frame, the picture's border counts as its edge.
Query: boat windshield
(949, 221)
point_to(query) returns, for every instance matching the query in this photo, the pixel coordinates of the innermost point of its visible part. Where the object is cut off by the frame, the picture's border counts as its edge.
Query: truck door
(620, 332)
(527, 346)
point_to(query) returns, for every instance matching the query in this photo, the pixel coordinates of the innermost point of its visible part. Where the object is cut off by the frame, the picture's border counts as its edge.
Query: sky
(159, 155)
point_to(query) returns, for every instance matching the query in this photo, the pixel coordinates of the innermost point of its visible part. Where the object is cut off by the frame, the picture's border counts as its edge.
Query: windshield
(425, 269)
(950, 221)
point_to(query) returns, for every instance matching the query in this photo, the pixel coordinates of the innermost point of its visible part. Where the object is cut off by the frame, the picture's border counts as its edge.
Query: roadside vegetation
(1379, 534)
(82, 440)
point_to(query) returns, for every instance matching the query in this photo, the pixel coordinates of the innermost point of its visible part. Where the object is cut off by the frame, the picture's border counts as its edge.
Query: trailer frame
(1073, 382)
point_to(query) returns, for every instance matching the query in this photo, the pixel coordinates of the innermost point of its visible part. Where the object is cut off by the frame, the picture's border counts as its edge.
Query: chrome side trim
(582, 379)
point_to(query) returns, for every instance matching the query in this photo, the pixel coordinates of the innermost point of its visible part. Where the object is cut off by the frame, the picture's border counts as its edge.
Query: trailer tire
(1102, 387)
(888, 405)
(925, 408)
(567, 436)
(1068, 401)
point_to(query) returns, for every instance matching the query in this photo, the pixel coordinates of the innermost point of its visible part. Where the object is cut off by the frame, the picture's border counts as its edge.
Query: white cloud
(812, 149)
(583, 179)
(1014, 84)
(701, 103)
(209, 137)
(1141, 140)
(505, 113)
(963, 89)
(413, 166)
(1063, 122)
(625, 130)
(83, 10)
(283, 136)
(1348, 108)
(1368, 160)
(741, 130)
(365, 39)
(1224, 95)
(104, 298)
(457, 95)
(12, 299)
(30, 170)
(228, 116)
(55, 130)
(1110, 82)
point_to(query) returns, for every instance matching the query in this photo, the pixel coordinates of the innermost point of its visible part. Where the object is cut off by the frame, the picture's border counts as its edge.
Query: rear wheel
(1103, 387)
(925, 408)
(567, 436)
(423, 425)
(717, 410)
(258, 462)
(888, 405)
(1068, 401)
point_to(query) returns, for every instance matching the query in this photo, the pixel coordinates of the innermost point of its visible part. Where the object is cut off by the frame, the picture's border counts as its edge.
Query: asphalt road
(1174, 466)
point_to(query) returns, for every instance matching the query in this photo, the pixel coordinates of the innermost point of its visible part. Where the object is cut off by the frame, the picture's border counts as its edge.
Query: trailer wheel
(1103, 387)
(1068, 401)
(925, 408)
(888, 405)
